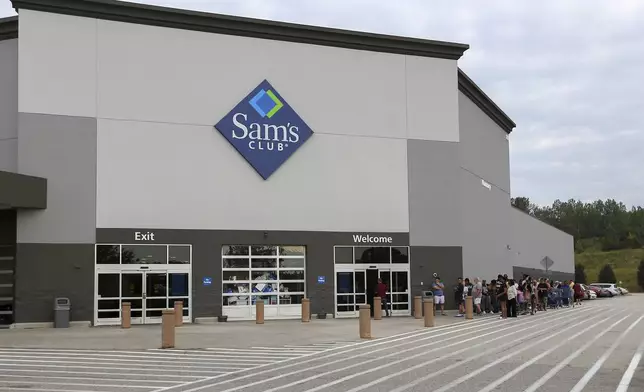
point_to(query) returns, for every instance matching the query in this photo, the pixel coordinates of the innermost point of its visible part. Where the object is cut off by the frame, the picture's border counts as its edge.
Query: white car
(588, 293)
(622, 290)
(611, 287)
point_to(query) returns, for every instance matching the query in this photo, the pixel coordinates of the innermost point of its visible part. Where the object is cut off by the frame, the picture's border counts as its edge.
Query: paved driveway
(592, 348)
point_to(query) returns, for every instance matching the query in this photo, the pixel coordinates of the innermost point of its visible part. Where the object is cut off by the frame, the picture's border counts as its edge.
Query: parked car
(588, 293)
(622, 290)
(610, 287)
(601, 292)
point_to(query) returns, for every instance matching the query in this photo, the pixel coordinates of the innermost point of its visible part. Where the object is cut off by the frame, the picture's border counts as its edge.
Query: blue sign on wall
(207, 281)
(264, 129)
(321, 279)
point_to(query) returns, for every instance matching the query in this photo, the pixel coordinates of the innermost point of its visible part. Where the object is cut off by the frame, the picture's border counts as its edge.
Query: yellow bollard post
(306, 310)
(418, 307)
(167, 328)
(377, 308)
(365, 322)
(428, 305)
(469, 307)
(178, 313)
(126, 315)
(259, 311)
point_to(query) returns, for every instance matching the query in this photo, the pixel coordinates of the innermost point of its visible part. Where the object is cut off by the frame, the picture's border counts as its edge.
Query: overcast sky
(569, 73)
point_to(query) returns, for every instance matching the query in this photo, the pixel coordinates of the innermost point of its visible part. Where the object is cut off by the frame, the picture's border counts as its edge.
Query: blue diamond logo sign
(264, 129)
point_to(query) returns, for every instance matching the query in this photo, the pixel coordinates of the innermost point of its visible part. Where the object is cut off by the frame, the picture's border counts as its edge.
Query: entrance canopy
(21, 191)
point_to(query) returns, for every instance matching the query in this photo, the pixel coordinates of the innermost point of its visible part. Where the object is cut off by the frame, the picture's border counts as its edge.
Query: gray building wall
(7, 264)
(486, 228)
(434, 193)
(61, 149)
(55, 250)
(435, 230)
(9, 105)
(485, 193)
(533, 240)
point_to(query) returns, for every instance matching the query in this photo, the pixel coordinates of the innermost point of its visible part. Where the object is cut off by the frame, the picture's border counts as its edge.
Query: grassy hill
(624, 263)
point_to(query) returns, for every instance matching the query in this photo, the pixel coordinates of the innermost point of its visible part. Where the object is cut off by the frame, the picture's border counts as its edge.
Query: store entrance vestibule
(372, 287)
(357, 270)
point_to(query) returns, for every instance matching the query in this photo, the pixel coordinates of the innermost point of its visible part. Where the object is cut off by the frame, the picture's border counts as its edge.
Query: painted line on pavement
(235, 363)
(86, 378)
(522, 349)
(458, 334)
(106, 374)
(43, 390)
(176, 369)
(524, 365)
(141, 366)
(546, 319)
(47, 382)
(625, 382)
(537, 384)
(197, 378)
(389, 364)
(333, 352)
(581, 384)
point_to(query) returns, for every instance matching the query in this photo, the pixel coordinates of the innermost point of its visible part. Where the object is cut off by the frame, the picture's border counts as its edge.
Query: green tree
(523, 204)
(580, 274)
(640, 275)
(607, 275)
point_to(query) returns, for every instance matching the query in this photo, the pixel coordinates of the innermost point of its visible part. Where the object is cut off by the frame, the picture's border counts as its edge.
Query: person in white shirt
(512, 298)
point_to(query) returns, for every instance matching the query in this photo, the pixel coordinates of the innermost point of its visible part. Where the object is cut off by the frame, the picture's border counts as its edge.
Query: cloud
(568, 73)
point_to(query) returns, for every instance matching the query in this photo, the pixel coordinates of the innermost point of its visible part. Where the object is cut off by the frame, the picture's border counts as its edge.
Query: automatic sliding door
(108, 308)
(178, 289)
(400, 300)
(156, 296)
(133, 291)
(351, 290)
(345, 297)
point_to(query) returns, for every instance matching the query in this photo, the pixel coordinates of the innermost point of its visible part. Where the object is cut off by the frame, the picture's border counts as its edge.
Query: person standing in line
(533, 296)
(493, 291)
(459, 290)
(486, 303)
(503, 297)
(477, 293)
(578, 294)
(439, 295)
(543, 294)
(512, 298)
(381, 291)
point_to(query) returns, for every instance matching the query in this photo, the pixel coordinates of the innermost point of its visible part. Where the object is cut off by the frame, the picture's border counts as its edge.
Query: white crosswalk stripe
(135, 370)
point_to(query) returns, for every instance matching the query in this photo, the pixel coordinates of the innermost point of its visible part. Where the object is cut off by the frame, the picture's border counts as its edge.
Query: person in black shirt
(502, 295)
(459, 289)
(542, 291)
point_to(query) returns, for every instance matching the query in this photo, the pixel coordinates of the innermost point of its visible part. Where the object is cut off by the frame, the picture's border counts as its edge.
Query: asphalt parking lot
(595, 347)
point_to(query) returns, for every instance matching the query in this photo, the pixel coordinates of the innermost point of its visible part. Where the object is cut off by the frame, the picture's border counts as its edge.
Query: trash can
(62, 307)
(428, 294)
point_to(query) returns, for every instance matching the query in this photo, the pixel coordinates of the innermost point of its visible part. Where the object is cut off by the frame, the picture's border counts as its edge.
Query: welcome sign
(264, 129)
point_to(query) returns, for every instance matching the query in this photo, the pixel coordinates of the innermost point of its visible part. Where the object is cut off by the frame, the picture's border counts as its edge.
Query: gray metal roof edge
(8, 28)
(240, 26)
(485, 103)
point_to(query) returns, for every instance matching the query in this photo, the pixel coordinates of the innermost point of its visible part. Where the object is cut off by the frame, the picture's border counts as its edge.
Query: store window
(274, 274)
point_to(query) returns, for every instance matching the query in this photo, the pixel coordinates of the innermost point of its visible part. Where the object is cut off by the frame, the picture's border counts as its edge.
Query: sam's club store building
(151, 154)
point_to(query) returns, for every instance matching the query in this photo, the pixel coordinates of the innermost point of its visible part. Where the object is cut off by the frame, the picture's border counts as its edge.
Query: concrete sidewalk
(218, 335)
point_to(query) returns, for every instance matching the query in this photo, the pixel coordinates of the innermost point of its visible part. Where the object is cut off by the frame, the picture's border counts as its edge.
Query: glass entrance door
(351, 289)
(355, 287)
(149, 292)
